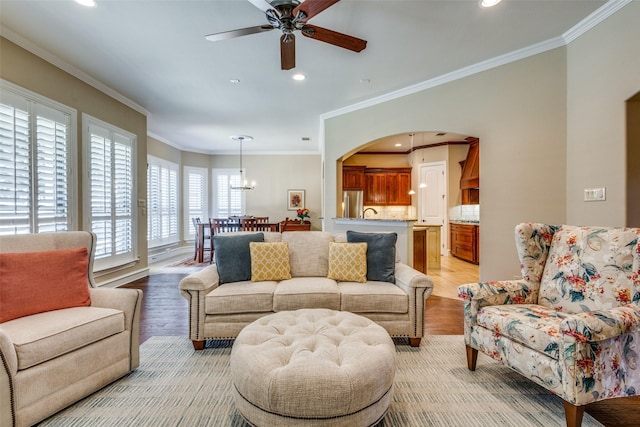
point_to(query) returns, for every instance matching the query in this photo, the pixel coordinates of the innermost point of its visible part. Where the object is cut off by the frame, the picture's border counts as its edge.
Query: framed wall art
(295, 199)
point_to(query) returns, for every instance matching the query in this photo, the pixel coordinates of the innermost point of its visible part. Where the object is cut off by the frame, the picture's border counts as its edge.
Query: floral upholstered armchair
(572, 324)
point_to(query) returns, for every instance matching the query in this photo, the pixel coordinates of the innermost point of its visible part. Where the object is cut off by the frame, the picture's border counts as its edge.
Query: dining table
(231, 227)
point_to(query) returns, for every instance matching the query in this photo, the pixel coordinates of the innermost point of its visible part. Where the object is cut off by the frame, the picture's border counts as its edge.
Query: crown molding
(583, 26)
(68, 68)
(608, 9)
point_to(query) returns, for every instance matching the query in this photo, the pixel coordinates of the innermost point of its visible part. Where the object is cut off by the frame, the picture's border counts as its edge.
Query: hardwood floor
(164, 312)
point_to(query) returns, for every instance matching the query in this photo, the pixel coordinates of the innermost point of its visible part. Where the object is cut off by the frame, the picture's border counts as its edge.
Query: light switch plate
(594, 194)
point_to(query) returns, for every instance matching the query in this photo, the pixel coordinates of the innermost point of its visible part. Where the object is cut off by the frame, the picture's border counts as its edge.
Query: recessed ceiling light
(88, 3)
(398, 145)
(299, 77)
(234, 81)
(489, 3)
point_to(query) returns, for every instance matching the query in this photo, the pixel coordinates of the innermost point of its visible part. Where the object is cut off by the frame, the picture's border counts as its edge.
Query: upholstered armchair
(61, 337)
(572, 324)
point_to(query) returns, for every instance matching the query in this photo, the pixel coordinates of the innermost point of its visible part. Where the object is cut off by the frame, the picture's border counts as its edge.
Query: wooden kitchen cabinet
(464, 242)
(387, 186)
(426, 248)
(353, 177)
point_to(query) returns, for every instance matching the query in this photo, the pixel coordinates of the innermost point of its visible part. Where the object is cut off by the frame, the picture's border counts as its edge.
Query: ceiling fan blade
(333, 37)
(263, 5)
(287, 51)
(238, 33)
(313, 7)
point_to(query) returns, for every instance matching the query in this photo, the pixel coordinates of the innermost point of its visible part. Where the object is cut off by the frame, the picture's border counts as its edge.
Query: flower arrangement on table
(302, 214)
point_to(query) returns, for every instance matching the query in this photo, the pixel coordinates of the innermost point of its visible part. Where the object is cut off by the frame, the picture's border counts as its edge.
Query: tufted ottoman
(313, 367)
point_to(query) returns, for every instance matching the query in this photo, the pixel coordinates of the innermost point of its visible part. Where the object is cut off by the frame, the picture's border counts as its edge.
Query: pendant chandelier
(244, 182)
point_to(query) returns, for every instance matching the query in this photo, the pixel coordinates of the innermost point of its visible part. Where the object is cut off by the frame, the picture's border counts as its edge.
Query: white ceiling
(153, 52)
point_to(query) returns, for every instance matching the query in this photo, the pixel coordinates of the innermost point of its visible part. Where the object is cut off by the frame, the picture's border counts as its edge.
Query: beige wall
(603, 72)
(633, 162)
(274, 175)
(33, 73)
(518, 112)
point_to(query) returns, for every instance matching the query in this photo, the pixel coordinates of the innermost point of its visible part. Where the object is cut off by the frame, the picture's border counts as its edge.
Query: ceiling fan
(290, 16)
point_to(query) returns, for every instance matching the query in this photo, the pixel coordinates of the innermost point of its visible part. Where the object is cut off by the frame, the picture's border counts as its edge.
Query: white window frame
(222, 191)
(41, 209)
(196, 200)
(114, 256)
(165, 208)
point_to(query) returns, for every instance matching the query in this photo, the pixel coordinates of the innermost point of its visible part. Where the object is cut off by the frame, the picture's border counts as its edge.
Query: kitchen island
(402, 227)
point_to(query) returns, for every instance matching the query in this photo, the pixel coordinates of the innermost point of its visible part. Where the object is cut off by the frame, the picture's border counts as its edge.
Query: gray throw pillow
(381, 254)
(233, 256)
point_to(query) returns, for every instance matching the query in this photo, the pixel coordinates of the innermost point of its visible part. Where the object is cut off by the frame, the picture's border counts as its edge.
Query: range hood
(470, 178)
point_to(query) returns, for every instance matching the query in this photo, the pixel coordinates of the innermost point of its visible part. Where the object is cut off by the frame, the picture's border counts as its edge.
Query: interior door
(432, 199)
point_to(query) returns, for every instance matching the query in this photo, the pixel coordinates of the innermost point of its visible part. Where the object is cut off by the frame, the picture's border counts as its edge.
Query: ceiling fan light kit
(290, 16)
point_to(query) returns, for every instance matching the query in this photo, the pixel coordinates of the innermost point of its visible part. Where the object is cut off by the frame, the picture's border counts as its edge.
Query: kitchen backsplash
(464, 213)
(391, 212)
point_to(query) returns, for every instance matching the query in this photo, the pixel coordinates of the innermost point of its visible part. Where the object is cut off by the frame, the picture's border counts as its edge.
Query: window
(195, 198)
(227, 202)
(110, 191)
(162, 202)
(37, 152)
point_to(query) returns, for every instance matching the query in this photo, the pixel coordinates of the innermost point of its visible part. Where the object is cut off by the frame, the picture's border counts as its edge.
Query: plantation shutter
(162, 202)
(35, 141)
(111, 193)
(227, 202)
(195, 200)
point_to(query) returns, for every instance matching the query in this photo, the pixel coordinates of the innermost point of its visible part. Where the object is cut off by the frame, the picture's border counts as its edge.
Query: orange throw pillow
(35, 282)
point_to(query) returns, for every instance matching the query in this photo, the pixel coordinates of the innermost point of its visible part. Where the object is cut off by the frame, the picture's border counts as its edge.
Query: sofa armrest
(600, 325)
(194, 288)
(130, 302)
(8, 369)
(204, 280)
(407, 277)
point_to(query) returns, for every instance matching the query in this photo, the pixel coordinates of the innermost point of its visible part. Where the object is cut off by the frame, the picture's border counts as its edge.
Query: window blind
(162, 201)
(227, 202)
(36, 144)
(195, 198)
(110, 189)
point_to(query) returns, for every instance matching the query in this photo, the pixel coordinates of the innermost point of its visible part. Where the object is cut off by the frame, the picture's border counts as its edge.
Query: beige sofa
(54, 358)
(221, 311)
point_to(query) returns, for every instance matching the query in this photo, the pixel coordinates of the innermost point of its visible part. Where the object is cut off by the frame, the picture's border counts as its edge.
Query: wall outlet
(594, 194)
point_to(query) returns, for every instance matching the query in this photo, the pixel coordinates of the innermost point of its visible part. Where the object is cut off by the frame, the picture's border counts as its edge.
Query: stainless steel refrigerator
(352, 201)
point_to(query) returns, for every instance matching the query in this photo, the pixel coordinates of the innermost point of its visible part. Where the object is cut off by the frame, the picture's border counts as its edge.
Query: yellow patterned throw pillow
(348, 262)
(269, 261)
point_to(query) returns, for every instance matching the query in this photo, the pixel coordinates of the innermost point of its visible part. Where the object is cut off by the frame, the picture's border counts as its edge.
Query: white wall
(519, 113)
(603, 71)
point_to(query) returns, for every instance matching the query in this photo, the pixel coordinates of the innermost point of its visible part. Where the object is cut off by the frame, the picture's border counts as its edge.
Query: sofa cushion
(308, 252)
(348, 262)
(372, 297)
(241, 297)
(381, 254)
(233, 256)
(590, 268)
(269, 261)
(36, 282)
(306, 292)
(45, 336)
(531, 325)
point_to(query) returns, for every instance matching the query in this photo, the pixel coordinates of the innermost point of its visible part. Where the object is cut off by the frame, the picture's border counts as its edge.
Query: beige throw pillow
(348, 262)
(269, 261)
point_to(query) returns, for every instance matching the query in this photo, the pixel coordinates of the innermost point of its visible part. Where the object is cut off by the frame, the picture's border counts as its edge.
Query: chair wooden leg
(414, 342)
(573, 414)
(472, 358)
(198, 345)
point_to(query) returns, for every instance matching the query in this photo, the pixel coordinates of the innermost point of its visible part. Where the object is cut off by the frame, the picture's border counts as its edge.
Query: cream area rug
(177, 386)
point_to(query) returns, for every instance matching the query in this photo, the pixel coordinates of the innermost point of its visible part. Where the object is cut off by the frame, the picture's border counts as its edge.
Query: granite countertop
(376, 219)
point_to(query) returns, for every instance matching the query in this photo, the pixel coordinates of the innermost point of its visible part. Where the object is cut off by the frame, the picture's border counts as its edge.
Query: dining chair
(247, 224)
(294, 225)
(207, 245)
